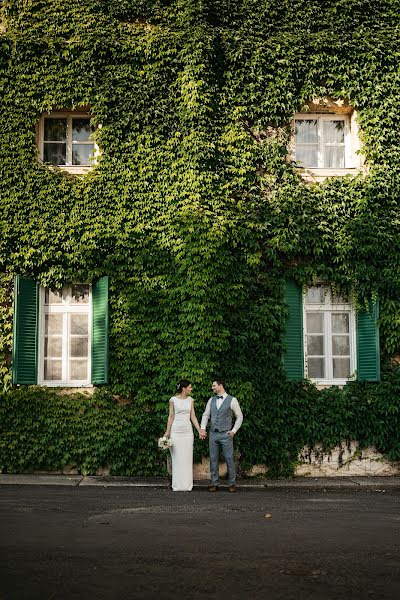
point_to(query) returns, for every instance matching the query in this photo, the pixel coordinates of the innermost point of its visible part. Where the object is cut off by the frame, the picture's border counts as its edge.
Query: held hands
(203, 434)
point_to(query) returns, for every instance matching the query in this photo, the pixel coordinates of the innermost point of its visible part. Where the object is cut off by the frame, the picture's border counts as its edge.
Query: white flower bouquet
(164, 443)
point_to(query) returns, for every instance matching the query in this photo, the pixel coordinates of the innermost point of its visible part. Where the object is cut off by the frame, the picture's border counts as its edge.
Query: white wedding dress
(182, 445)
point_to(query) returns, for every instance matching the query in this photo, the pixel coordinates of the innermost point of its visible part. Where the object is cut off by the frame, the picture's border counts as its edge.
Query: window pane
(342, 299)
(333, 132)
(54, 153)
(305, 131)
(52, 296)
(340, 323)
(316, 295)
(341, 368)
(315, 323)
(315, 345)
(78, 369)
(55, 130)
(316, 368)
(341, 345)
(307, 156)
(81, 130)
(82, 154)
(80, 293)
(334, 157)
(53, 324)
(79, 325)
(53, 347)
(79, 346)
(52, 370)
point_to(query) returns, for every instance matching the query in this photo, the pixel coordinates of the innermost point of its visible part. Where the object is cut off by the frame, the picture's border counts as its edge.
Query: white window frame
(66, 308)
(69, 116)
(348, 162)
(327, 309)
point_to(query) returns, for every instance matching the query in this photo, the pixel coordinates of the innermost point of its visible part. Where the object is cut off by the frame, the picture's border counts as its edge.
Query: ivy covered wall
(196, 214)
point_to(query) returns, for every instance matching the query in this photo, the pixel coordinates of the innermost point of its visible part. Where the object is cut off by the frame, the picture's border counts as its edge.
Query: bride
(179, 429)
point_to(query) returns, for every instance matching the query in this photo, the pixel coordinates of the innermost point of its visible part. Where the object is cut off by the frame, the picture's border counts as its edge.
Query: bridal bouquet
(164, 443)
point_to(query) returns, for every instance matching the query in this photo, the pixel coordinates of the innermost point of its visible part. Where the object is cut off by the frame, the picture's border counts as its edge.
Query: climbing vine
(196, 213)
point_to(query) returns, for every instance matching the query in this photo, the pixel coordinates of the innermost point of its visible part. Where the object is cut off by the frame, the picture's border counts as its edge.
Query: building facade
(191, 191)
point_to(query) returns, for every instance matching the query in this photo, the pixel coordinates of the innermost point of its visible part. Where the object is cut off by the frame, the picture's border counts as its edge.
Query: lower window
(329, 336)
(65, 335)
(60, 337)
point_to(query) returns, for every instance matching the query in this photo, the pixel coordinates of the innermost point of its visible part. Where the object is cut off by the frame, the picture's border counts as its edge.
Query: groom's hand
(231, 433)
(203, 434)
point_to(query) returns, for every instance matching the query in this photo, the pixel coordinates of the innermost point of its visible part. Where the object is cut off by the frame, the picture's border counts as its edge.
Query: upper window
(66, 140)
(325, 140)
(329, 336)
(321, 141)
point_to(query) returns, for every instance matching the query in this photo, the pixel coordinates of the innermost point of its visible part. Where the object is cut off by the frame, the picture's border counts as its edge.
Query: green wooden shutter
(294, 354)
(25, 331)
(100, 331)
(368, 356)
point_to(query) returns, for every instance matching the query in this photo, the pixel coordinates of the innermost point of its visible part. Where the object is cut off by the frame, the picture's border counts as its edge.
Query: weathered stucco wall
(345, 460)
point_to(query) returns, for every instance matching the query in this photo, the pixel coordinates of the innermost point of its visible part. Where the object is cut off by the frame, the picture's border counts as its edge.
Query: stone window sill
(74, 170)
(314, 175)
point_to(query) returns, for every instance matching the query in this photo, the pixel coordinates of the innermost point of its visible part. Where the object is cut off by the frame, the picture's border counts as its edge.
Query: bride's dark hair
(182, 384)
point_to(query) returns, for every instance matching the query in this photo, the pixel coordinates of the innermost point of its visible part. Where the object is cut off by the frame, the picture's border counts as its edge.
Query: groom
(220, 407)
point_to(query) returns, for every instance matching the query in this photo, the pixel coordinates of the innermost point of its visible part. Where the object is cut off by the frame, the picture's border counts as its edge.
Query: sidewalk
(377, 484)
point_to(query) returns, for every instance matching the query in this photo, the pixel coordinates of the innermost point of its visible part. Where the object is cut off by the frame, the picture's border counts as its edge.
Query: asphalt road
(61, 543)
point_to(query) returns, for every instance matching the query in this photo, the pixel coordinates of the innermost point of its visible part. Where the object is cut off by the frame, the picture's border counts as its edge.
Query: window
(60, 337)
(326, 340)
(329, 336)
(65, 335)
(325, 140)
(322, 141)
(66, 140)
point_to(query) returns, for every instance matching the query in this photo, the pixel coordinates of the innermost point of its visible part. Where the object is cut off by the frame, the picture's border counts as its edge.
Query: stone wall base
(345, 459)
(202, 470)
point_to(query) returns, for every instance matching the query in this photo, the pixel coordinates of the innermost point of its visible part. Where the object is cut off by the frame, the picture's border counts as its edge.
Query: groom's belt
(220, 430)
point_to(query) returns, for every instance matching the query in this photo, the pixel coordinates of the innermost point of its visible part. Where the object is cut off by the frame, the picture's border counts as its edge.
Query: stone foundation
(202, 470)
(345, 459)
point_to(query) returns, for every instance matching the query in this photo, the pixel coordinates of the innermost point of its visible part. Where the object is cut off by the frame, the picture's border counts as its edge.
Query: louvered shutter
(294, 351)
(25, 331)
(368, 356)
(100, 331)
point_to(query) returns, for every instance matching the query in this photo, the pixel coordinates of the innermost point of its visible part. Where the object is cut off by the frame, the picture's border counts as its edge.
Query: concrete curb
(378, 484)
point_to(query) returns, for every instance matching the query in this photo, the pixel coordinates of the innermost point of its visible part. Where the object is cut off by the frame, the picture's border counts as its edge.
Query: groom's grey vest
(221, 420)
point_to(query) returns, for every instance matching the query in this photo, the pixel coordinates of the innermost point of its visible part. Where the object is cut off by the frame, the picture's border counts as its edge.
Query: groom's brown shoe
(232, 488)
(213, 488)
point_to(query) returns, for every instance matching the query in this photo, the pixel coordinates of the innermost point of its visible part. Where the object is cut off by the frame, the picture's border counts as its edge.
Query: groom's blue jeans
(221, 441)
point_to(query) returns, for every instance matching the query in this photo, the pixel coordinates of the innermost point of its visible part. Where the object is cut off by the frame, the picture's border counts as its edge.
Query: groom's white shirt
(235, 408)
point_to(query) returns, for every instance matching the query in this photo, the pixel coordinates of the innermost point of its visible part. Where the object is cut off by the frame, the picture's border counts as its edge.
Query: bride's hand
(166, 435)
